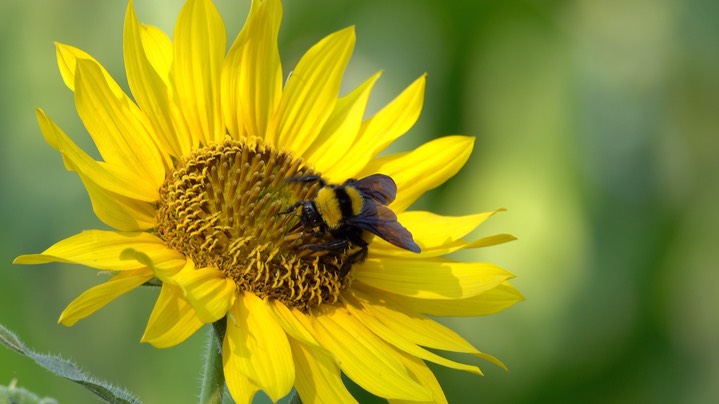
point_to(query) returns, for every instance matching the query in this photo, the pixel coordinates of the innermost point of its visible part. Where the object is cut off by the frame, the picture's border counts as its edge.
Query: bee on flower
(254, 204)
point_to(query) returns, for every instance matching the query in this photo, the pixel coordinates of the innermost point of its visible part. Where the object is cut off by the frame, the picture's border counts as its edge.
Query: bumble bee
(349, 209)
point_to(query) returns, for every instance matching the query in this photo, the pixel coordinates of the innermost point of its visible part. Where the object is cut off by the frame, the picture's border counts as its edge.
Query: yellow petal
(165, 271)
(492, 301)
(383, 128)
(422, 169)
(491, 240)
(399, 338)
(120, 130)
(418, 328)
(208, 290)
(311, 92)
(172, 320)
(295, 323)
(118, 211)
(199, 49)
(241, 388)
(318, 377)
(147, 82)
(116, 181)
(422, 374)
(157, 48)
(364, 358)
(339, 133)
(436, 230)
(431, 278)
(252, 72)
(101, 249)
(67, 57)
(259, 347)
(98, 296)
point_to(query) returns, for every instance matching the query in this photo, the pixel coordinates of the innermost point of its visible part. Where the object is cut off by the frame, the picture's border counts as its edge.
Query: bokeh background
(597, 126)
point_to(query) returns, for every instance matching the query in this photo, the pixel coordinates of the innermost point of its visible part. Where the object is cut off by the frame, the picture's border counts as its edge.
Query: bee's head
(310, 215)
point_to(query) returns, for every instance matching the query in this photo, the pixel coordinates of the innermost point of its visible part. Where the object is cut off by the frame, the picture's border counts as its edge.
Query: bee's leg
(308, 179)
(336, 245)
(355, 258)
(292, 208)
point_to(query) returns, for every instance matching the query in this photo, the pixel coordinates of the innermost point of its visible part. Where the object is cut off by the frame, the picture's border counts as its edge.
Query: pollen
(221, 207)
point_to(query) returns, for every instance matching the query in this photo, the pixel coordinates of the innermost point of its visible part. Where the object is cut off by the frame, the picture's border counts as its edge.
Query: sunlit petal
(172, 320)
(101, 249)
(209, 291)
(100, 174)
(422, 169)
(199, 49)
(394, 120)
(259, 347)
(399, 339)
(311, 92)
(252, 73)
(364, 358)
(492, 301)
(98, 296)
(148, 82)
(318, 376)
(431, 278)
(120, 130)
(334, 142)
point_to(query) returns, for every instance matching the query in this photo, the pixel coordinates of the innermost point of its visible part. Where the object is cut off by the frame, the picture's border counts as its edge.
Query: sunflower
(196, 170)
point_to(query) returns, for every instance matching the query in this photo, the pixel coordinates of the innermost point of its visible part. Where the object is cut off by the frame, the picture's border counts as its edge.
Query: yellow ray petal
(399, 338)
(422, 169)
(98, 296)
(67, 57)
(422, 374)
(157, 48)
(434, 230)
(252, 72)
(199, 49)
(311, 92)
(318, 377)
(101, 249)
(148, 82)
(208, 290)
(259, 347)
(383, 128)
(418, 328)
(381, 248)
(172, 320)
(339, 133)
(364, 358)
(121, 182)
(295, 323)
(118, 211)
(120, 130)
(165, 271)
(431, 278)
(492, 301)
(241, 388)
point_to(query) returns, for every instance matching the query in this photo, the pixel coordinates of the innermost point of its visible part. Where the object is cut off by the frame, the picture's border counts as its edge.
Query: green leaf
(67, 369)
(18, 395)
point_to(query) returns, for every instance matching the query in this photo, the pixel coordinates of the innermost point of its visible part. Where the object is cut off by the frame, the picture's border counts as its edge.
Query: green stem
(213, 378)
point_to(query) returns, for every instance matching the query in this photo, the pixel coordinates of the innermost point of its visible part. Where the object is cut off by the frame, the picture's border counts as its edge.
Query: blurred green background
(597, 128)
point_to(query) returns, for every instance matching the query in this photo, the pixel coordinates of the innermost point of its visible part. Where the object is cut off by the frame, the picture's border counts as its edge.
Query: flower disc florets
(221, 207)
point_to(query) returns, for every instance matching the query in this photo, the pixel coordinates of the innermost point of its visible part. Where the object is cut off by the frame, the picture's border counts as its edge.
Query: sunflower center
(221, 207)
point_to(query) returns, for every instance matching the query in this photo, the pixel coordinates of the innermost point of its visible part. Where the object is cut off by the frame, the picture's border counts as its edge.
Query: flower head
(199, 175)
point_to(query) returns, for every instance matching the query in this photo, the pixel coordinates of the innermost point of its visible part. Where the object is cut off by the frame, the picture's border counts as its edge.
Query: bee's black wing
(380, 220)
(379, 187)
